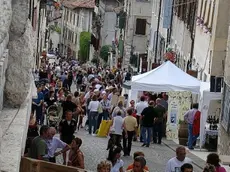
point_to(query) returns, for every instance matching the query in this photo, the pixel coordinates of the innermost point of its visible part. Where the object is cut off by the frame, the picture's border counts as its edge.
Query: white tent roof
(165, 78)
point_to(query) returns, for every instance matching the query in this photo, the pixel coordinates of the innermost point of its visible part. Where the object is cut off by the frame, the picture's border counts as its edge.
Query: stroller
(52, 116)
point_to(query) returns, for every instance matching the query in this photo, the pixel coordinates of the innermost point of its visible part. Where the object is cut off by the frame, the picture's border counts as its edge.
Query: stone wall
(14, 123)
(5, 21)
(20, 54)
(3, 66)
(224, 137)
(16, 62)
(223, 142)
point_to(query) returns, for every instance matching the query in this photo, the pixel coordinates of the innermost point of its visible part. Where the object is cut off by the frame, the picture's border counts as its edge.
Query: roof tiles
(72, 4)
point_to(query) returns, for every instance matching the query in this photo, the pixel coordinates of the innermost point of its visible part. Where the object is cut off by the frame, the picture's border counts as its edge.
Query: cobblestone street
(94, 149)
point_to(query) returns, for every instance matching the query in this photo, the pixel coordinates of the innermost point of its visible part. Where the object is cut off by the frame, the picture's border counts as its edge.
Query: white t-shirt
(93, 106)
(140, 107)
(117, 127)
(117, 166)
(174, 165)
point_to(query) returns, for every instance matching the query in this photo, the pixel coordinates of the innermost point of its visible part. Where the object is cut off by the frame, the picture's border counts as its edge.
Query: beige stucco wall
(220, 35)
(180, 37)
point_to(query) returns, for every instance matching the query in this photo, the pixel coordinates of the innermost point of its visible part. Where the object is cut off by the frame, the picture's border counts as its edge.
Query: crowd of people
(92, 97)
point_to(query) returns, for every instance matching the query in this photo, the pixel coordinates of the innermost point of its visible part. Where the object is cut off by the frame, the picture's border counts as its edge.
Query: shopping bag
(104, 128)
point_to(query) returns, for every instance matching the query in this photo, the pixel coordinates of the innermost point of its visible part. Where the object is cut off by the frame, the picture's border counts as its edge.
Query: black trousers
(157, 132)
(117, 140)
(99, 119)
(127, 147)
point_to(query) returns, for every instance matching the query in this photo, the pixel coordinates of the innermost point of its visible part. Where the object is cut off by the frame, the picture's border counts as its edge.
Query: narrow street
(94, 149)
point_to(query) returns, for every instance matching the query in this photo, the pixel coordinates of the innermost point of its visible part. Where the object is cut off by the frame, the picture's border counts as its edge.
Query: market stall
(210, 114)
(179, 85)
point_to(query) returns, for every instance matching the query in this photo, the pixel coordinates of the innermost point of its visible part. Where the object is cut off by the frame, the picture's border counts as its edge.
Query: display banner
(178, 104)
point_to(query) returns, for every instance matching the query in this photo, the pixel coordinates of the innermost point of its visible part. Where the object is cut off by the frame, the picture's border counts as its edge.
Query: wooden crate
(33, 165)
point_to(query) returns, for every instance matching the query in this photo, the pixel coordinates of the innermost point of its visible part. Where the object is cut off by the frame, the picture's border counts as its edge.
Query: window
(76, 38)
(78, 19)
(67, 16)
(70, 17)
(140, 26)
(69, 35)
(73, 19)
(72, 40)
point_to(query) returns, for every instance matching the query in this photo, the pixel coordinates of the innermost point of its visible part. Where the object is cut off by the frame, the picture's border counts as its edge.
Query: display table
(210, 139)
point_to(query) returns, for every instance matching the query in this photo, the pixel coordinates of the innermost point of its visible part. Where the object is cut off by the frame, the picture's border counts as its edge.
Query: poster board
(178, 104)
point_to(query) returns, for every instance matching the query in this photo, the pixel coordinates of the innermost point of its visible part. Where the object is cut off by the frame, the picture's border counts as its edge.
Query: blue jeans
(39, 116)
(191, 137)
(148, 131)
(92, 121)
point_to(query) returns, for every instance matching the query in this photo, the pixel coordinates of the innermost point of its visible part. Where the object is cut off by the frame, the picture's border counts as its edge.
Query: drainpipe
(38, 35)
(158, 26)
(169, 31)
(192, 37)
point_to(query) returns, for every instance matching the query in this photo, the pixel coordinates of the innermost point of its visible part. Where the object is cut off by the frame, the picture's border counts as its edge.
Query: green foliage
(95, 61)
(85, 38)
(104, 53)
(54, 28)
(122, 20)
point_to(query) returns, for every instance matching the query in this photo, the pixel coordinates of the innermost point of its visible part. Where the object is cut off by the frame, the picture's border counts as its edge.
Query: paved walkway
(94, 149)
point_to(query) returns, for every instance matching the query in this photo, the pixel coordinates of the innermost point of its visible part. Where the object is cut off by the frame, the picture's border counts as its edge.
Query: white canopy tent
(205, 98)
(165, 78)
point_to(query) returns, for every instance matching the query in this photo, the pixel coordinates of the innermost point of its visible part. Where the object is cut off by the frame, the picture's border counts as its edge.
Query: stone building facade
(176, 27)
(211, 38)
(137, 29)
(76, 18)
(109, 19)
(18, 49)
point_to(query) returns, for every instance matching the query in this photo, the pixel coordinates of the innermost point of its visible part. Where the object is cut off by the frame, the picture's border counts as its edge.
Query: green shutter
(121, 47)
(122, 20)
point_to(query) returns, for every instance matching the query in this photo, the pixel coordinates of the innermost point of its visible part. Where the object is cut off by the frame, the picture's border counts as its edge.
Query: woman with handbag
(104, 108)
